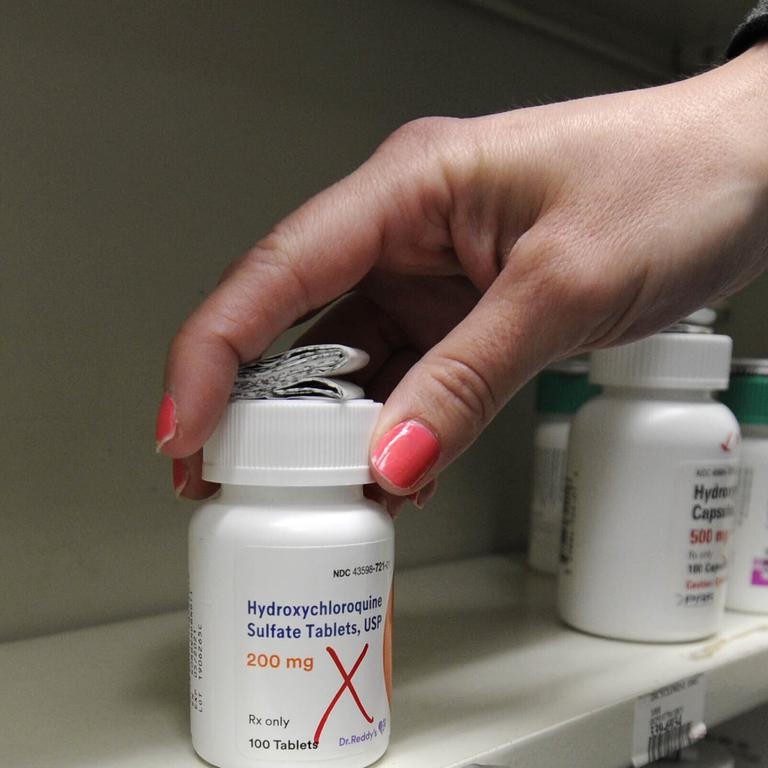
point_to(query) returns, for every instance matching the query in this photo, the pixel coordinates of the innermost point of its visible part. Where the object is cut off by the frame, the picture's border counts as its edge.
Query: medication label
(548, 484)
(706, 499)
(759, 572)
(312, 650)
(668, 719)
(752, 522)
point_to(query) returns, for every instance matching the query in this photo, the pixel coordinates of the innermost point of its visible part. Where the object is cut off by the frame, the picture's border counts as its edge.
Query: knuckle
(422, 135)
(461, 383)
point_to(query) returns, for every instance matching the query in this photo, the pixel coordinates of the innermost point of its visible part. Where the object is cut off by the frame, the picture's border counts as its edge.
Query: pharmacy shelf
(484, 674)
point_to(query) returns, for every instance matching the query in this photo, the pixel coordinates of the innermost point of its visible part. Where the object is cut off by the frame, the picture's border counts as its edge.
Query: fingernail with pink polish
(406, 453)
(180, 476)
(165, 428)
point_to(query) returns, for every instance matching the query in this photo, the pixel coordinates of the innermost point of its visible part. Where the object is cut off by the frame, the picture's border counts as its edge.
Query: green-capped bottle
(561, 389)
(747, 397)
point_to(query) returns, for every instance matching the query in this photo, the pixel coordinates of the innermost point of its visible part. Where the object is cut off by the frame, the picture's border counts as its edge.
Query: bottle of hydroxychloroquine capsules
(290, 591)
(650, 492)
(561, 389)
(747, 397)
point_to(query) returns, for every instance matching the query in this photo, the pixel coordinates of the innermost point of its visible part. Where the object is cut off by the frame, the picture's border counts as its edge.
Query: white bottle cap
(292, 442)
(667, 361)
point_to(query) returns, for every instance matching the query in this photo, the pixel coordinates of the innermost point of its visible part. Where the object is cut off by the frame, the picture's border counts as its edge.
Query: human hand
(480, 250)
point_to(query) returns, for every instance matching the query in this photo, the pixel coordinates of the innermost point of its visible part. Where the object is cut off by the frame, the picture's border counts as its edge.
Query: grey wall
(144, 145)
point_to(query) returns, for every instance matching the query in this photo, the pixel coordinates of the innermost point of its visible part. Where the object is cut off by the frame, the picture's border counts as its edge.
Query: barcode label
(665, 743)
(668, 719)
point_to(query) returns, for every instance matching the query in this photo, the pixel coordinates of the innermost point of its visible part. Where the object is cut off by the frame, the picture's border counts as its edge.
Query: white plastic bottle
(290, 591)
(747, 397)
(650, 494)
(561, 389)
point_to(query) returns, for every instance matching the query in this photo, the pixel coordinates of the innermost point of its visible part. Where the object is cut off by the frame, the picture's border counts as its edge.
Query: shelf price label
(668, 720)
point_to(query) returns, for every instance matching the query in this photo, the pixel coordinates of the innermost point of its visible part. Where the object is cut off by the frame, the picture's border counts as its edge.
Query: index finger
(315, 255)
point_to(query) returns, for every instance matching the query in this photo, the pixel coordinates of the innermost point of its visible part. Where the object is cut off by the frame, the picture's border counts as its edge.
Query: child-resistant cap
(292, 443)
(667, 361)
(747, 395)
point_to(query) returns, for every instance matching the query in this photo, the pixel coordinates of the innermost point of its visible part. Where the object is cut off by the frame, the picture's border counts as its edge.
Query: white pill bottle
(650, 492)
(747, 397)
(290, 591)
(561, 389)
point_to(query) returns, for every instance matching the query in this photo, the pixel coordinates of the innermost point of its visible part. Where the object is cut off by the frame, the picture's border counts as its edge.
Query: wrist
(745, 120)
(752, 64)
(738, 91)
(745, 80)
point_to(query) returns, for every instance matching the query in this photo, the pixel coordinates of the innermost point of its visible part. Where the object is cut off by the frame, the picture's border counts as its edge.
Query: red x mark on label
(347, 684)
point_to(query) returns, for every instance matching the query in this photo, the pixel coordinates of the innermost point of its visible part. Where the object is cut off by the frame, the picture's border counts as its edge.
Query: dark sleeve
(752, 29)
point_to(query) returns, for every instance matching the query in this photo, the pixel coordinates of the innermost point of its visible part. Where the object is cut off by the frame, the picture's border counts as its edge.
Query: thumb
(444, 401)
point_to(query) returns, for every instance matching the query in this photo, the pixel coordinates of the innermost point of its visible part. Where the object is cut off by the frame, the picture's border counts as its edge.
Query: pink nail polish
(180, 476)
(406, 453)
(165, 427)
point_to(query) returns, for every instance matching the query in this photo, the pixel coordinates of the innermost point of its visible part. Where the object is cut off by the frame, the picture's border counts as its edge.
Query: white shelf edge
(484, 673)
